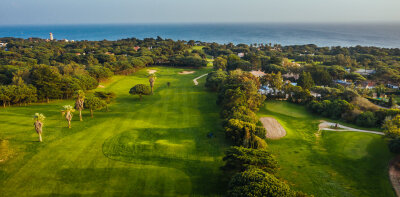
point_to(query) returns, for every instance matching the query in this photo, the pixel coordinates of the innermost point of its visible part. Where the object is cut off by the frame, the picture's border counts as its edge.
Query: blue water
(381, 35)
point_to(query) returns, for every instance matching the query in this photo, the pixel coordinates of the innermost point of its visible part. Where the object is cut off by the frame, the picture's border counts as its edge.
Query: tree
(79, 102)
(108, 97)
(100, 72)
(215, 80)
(305, 81)
(392, 127)
(47, 81)
(392, 101)
(256, 182)
(220, 63)
(68, 110)
(394, 145)
(94, 103)
(39, 119)
(239, 159)
(152, 79)
(366, 119)
(274, 81)
(380, 89)
(5, 94)
(140, 89)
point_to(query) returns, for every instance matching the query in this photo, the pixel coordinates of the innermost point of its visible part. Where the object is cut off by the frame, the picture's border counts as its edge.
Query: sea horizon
(378, 34)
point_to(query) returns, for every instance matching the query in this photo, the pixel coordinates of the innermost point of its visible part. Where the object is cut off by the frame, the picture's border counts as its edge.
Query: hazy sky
(195, 11)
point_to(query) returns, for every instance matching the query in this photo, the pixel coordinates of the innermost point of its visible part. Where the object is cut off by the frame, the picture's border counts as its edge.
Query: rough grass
(328, 163)
(154, 147)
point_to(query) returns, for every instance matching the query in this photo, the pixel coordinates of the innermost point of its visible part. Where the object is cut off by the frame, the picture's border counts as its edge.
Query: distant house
(316, 95)
(291, 75)
(3, 44)
(392, 86)
(368, 85)
(109, 53)
(78, 54)
(365, 71)
(342, 82)
(241, 55)
(136, 48)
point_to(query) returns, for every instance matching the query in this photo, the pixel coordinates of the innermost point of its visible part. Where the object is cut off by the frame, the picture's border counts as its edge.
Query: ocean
(380, 35)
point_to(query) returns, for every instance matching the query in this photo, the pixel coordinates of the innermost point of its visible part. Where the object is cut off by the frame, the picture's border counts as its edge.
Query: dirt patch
(5, 151)
(152, 71)
(100, 86)
(185, 72)
(257, 73)
(273, 127)
(394, 174)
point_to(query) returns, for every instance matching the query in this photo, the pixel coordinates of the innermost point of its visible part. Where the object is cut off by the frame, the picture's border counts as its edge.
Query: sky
(14, 12)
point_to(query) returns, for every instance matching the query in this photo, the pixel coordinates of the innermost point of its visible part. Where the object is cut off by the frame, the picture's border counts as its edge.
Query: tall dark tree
(305, 80)
(47, 81)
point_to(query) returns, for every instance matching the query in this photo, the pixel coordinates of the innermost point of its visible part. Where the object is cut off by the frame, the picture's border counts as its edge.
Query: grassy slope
(150, 148)
(329, 163)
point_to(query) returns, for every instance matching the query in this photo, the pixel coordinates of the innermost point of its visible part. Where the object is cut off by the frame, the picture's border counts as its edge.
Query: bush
(394, 145)
(239, 159)
(366, 119)
(256, 182)
(215, 80)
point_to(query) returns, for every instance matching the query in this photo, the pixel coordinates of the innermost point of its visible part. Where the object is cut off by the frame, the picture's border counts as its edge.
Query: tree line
(249, 167)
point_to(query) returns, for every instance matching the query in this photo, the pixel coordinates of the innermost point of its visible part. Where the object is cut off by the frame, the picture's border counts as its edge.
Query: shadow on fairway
(185, 149)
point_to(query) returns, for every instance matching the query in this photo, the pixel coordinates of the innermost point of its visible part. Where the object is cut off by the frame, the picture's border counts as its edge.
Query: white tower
(51, 36)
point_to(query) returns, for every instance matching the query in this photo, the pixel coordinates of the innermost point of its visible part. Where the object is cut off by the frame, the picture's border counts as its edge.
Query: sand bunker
(185, 72)
(152, 71)
(273, 127)
(100, 86)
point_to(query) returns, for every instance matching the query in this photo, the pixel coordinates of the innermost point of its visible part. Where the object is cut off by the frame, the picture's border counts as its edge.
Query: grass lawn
(158, 147)
(328, 163)
(198, 48)
(154, 147)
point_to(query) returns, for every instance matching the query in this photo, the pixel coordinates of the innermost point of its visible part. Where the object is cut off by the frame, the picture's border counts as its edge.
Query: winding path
(327, 126)
(195, 80)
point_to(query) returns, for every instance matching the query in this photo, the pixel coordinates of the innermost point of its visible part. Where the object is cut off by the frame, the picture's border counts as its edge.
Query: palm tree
(68, 110)
(39, 119)
(80, 99)
(152, 79)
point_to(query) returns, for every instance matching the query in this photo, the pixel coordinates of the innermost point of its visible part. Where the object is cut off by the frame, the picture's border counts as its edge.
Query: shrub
(256, 182)
(239, 159)
(366, 119)
(394, 145)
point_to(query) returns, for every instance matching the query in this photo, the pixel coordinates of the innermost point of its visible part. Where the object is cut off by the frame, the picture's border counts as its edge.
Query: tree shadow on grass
(187, 150)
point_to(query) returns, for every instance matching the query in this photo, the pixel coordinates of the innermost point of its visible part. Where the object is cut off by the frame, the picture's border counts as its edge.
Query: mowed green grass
(154, 147)
(328, 163)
